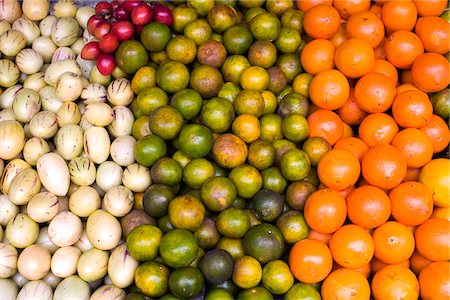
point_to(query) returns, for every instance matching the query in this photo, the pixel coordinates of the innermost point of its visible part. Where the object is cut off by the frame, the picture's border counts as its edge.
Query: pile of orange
(380, 225)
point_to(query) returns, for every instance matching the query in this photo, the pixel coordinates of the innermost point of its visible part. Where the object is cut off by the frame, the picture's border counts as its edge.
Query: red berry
(141, 14)
(108, 43)
(105, 63)
(90, 51)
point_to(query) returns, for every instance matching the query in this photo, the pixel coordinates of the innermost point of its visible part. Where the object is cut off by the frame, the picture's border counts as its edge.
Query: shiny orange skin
(411, 203)
(325, 210)
(433, 239)
(412, 109)
(338, 169)
(310, 261)
(434, 33)
(352, 246)
(375, 92)
(354, 58)
(367, 26)
(384, 166)
(368, 206)
(431, 72)
(321, 21)
(402, 48)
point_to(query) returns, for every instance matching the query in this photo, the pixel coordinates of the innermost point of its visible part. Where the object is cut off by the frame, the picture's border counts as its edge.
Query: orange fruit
(352, 246)
(416, 145)
(411, 203)
(412, 109)
(323, 237)
(376, 9)
(345, 284)
(378, 128)
(406, 87)
(305, 5)
(398, 15)
(433, 239)
(438, 132)
(375, 92)
(350, 112)
(318, 56)
(434, 281)
(365, 25)
(368, 206)
(418, 262)
(430, 7)
(321, 21)
(338, 169)
(402, 48)
(349, 7)
(436, 176)
(412, 174)
(395, 282)
(364, 270)
(325, 210)
(353, 144)
(326, 124)
(434, 33)
(385, 67)
(329, 89)
(339, 37)
(394, 242)
(354, 58)
(431, 72)
(377, 265)
(384, 166)
(310, 261)
(379, 50)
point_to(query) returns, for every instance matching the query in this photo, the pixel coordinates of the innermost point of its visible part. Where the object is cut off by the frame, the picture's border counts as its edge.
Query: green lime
(247, 179)
(183, 15)
(277, 277)
(164, 224)
(172, 76)
(145, 77)
(315, 147)
(265, 26)
(302, 291)
(130, 56)
(198, 31)
(155, 36)
(293, 103)
(217, 114)
(207, 235)
(281, 146)
(221, 17)
(156, 200)
(264, 242)
(229, 91)
(218, 293)
(187, 282)
(288, 40)
(206, 80)
(233, 67)
(197, 171)
(267, 205)
(232, 246)
(178, 248)
(262, 53)
(293, 226)
(274, 180)
(293, 18)
(271, 127)
(441, 103)
(277, 79)
(261, 154)
(233, 223)
(195, 140)
(149, 149)
(166, 122)
(255, 293)
(295, 164)
(143, 242)
(237, 39)
(140, 128)
(202, 7)
(290, 64)
(186, 212)
(151, 278)
(181, 49)
(151, 98)
(188, 102)
(295, 127)
(216, 265)
(166, 171)
(218, 193)
(249, 102)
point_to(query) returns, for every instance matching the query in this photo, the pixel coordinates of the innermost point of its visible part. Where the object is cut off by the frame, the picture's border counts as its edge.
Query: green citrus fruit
(195, 140)
(149, 149)
(166, 122)
(216, 265)
(143, 242)
(186, 212)
(172, 76)
(130, 56)
(178, 248)
(264, 242)
(151, 278)
(187, 282)
(218, 193)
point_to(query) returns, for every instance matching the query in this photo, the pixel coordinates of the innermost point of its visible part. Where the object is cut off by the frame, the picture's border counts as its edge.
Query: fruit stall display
(224, 149)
